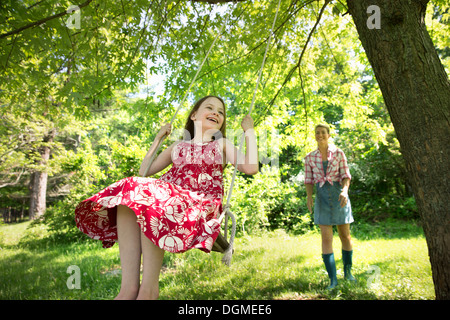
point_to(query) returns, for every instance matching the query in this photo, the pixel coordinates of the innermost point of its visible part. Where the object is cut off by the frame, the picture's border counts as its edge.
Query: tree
(38, 183)
(416, 91)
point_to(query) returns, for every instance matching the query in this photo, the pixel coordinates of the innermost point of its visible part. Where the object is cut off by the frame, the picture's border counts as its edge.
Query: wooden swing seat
(221, 244)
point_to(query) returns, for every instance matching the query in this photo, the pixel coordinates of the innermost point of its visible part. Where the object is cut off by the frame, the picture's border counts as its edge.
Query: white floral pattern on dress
(176, 212)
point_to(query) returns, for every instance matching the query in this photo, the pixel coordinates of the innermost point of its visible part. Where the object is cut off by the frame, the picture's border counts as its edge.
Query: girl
(327, 168)
(176, 212)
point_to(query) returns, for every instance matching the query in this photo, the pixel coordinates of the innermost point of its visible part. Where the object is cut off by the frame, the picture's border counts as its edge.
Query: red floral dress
(177, 212)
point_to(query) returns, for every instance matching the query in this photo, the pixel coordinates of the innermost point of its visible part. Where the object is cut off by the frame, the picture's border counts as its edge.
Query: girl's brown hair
(189, 127)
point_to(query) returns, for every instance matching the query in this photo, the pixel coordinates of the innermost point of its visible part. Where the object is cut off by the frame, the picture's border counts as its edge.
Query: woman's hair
(189, 127)
(323, 125)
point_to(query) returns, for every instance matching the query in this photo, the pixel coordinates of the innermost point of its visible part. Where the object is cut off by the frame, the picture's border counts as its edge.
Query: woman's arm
(309, 193)
(161, 161)
(345, 185)
(345, 179)
(343, 197)
(309, 183)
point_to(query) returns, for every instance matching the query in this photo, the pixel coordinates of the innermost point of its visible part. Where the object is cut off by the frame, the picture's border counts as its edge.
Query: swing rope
(153, 156)
(226, 259)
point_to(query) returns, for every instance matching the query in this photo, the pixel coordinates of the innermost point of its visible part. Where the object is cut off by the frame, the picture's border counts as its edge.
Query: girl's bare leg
(152, 257)
(129, 236)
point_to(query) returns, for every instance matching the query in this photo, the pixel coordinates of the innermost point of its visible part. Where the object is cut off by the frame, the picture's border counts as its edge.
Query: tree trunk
(416, 91)
(38, 196)
(38, 182)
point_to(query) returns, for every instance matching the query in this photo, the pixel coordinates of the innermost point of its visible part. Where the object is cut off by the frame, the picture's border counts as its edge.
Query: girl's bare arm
(162, 160)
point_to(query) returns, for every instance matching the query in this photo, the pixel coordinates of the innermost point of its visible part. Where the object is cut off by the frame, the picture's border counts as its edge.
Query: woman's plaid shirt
(337, 169)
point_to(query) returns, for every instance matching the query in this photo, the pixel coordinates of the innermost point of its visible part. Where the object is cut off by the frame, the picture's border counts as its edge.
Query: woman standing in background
(327, 168)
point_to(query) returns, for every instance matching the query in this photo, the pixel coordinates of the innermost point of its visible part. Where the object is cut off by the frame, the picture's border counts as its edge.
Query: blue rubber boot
(347, 257)
(330, 265)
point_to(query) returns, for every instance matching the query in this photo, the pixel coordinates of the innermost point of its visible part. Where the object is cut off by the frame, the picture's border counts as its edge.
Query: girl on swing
(176, 212)
(327, 168)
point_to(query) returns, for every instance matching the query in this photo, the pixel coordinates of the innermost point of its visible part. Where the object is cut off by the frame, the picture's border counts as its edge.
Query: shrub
(264, 202)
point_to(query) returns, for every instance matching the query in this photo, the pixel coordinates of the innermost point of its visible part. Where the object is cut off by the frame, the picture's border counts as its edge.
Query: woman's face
(322, 135)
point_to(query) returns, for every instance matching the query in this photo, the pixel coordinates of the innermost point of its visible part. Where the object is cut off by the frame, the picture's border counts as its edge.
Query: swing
(221, 244)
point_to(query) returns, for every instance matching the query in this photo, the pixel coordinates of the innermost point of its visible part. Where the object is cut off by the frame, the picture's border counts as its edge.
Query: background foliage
(107, 87)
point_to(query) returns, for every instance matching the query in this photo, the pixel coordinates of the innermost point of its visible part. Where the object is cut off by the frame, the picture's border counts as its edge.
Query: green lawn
(390, 262)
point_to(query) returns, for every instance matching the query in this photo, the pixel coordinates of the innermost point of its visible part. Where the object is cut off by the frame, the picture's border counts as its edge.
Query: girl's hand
(164, 131)
(310, 203)
(247, 123)
(343, 198)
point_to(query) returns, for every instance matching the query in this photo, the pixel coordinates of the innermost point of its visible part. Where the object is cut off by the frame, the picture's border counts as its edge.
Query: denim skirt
(327, 209)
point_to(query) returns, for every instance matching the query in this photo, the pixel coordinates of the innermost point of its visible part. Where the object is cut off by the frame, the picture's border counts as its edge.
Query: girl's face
(322, 135)
(211, 114)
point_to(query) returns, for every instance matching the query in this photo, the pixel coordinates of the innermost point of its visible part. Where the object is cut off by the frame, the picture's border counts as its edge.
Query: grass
(271, 265)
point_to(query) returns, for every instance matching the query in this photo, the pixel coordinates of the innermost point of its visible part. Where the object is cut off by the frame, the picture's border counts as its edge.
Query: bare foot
(127, 295)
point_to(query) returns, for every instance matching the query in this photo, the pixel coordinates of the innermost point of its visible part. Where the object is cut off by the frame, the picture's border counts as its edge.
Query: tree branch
(218, 1)
(14, 182)
(42, 21)
(289, 16)
(297, 66)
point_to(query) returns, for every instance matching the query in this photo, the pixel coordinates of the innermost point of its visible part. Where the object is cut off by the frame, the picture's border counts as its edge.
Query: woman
(327, 168)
